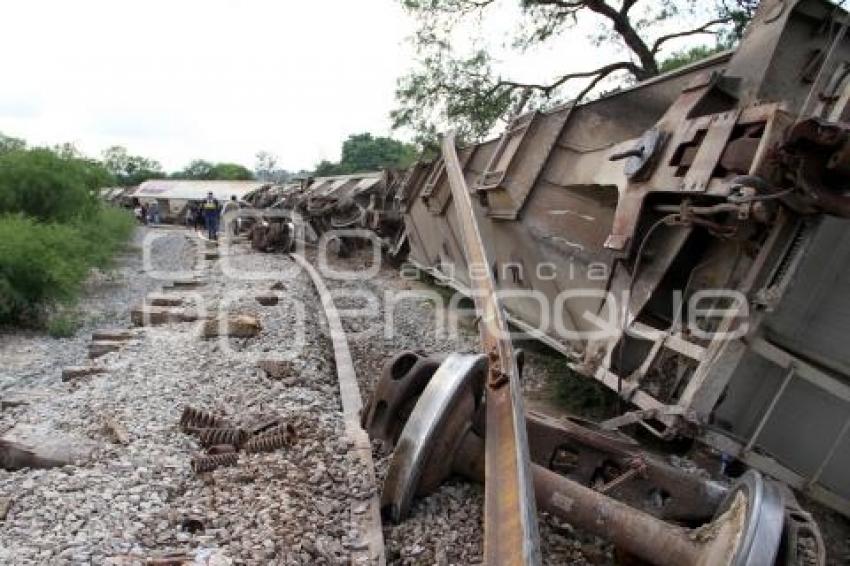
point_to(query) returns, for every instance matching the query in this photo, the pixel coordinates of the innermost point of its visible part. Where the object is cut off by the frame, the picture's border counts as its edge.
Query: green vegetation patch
(53, 230)
(45, 263)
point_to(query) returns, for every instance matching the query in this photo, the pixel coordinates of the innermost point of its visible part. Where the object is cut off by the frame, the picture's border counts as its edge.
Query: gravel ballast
(132, 495)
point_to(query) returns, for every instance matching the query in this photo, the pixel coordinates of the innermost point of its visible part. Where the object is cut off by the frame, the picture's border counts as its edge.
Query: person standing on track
(231, 206)
(197, 215)
(211, 210)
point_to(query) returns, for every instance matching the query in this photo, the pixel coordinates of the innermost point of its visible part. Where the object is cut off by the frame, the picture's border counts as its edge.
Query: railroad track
(370, 520)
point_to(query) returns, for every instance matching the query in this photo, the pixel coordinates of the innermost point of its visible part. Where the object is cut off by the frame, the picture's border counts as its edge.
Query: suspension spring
(202, 464)
(270, 441)
(211, 436)
(193, 418)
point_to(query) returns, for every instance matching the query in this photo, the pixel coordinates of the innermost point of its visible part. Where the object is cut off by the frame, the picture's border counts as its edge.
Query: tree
(364, 152)
(67, 150)
(202, 170)
(130, 170)
(48, 187)
(53, 228)
(327, 168)
(688, 56)
(266, 169)
(231, 172)
(197, 169)
(467, 90)
(8, 144)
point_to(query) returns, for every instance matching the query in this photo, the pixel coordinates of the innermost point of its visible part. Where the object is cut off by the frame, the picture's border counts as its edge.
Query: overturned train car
(686, 243)
(317, 205)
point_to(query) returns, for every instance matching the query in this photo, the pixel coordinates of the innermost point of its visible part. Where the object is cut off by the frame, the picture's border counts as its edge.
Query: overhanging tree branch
(622, 25)
(468, 91)
(627, 5)
(703, 29)
(547, 89)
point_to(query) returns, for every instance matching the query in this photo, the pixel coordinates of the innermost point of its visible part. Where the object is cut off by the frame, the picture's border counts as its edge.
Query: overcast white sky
(216, 79)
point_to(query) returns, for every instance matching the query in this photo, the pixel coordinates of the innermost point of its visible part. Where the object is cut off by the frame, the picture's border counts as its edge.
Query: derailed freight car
(317, 205)
(685, 242)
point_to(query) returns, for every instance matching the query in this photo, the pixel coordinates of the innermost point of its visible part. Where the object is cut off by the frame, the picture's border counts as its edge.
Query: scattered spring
(270, 441)
(201, 464)
(221, 449)
(265, 426)
(212, 436)
(196, 418)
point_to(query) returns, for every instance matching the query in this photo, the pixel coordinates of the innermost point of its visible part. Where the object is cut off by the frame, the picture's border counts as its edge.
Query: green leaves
(44, 263)
(365, 152)
(130, 170)
(40, 184)
(8, 144)
(692, 55)
(202, 170)
(462, 92)
(52, 227)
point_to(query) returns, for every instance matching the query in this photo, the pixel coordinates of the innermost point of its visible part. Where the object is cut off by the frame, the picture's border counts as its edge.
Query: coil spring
(221, 449)
(201, 464)
(269, 442)
(196, 418)
(212, 436)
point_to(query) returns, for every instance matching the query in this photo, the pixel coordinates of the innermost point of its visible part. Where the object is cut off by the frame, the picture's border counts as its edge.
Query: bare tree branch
(547, 89)
(604, 72)
(703, 29)
(627, 5)
(469, 88)
(622, 25)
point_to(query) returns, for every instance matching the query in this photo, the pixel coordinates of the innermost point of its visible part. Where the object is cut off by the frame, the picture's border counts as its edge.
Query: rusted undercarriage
(334, 205)
(431, 410)
(614, 228)
(685, 243)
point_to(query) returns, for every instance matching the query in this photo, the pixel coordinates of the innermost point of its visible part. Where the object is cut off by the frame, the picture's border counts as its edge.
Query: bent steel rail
(510, 519)
(370, 521)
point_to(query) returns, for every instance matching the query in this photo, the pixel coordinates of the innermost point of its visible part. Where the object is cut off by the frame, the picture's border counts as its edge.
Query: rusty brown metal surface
(725, 176)
(207, 463)
(193, 418)
(743, 528)
(616, 464)
(402, 381)
(363, 200)
(510, 522)
(270, 441)
(575, 448)
(213, 436)
(642, 535)
(729, 174)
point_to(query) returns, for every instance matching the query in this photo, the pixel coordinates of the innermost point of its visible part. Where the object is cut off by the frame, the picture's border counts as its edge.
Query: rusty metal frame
(731, 116)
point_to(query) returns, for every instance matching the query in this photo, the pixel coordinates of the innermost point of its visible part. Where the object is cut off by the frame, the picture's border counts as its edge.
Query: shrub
(38, 262)
(48, 187)
(105, 233)
(52, 230)
(45, 263)
(62, 325)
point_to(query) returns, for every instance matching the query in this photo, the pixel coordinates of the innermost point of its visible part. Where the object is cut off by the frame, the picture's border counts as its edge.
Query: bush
(45, 263)
(105, 233)
(53, 230)
(62, 325)
(48, 187)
